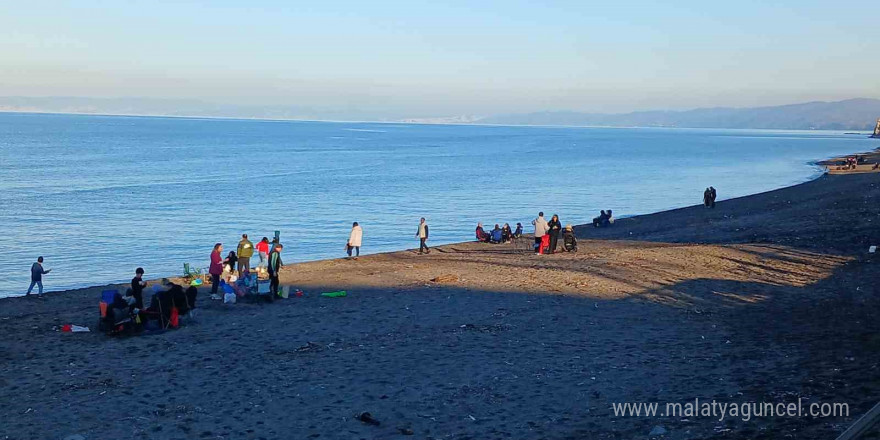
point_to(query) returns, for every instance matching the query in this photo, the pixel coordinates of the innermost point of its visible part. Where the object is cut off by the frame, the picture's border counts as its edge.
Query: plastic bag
(229, 298)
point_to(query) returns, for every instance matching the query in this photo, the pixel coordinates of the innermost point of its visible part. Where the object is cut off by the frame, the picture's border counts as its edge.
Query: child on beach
(37, 272)
(263, 250)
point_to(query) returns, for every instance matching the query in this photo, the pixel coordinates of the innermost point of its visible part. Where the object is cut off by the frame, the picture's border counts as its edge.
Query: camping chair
(191, 273)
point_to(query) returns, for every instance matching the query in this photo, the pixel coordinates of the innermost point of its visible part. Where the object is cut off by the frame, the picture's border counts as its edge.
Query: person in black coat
(555, 228)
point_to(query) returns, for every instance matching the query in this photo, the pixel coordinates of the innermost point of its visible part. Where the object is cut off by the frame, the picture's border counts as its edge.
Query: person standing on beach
(540, 230)
(245, 252)
(137, 287)
(275, 265)
(423, 237)
(712, 196)
(555, 227)
(354, 240)
(37, 272)
(707, 197)
(263, 250)
(216, 269)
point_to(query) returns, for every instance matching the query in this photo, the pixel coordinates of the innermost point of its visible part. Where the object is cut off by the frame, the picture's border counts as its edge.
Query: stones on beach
(367, 418)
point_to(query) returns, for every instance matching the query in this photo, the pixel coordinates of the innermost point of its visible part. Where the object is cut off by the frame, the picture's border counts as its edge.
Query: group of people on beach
(547, 235)
(270, 262)
(501, 234)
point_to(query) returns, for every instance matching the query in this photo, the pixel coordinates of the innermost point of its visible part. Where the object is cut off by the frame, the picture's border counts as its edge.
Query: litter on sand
(69, 328)
(338, 294)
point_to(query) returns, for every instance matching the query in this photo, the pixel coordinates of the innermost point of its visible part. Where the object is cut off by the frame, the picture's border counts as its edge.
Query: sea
(98, 196)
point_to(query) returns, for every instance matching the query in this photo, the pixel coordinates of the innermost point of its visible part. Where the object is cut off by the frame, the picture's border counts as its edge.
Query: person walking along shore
(423, 237)
(37, 272)
(354, 240)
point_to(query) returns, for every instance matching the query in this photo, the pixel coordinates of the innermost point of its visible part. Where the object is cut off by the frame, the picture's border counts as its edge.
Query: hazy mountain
(851, 114)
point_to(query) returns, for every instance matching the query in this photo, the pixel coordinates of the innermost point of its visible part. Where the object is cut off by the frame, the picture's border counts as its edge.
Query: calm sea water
(98, 196)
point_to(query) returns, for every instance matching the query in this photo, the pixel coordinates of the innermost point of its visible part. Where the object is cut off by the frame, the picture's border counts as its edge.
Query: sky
(433, 59)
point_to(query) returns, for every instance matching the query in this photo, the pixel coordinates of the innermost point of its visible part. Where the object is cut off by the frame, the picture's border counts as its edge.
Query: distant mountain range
(852, 114)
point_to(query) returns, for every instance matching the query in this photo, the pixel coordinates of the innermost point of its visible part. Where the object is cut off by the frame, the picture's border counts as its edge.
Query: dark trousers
(215, 282)
(554, 238)
(357, 251)
(273, 284)
(537, 244)
(423, 246)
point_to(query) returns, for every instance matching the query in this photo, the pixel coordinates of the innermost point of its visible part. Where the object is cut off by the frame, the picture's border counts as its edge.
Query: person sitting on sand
(598, 221)
(569, 241)
(519, 231)
(496, 236)
(505, 233)
(481, 235)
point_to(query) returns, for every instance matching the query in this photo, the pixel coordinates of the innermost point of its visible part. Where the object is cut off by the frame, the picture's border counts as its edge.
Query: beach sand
(766, 298)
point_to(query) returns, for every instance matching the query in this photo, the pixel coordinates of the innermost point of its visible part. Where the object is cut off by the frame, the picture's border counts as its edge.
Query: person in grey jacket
(541, 229)
(37, 272)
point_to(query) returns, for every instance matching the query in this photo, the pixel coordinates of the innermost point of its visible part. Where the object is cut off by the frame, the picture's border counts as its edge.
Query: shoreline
(766, 298)
(819, 166)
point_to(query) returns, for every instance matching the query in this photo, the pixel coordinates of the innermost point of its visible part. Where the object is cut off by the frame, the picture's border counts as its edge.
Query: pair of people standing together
(546, 233)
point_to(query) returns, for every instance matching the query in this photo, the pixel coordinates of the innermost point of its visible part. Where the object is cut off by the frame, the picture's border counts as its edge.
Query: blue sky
(445, 58)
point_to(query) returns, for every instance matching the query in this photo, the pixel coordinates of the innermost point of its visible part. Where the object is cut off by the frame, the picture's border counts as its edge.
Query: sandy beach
(766, 298)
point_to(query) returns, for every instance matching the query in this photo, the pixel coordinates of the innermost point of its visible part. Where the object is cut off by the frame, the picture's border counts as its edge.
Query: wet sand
(769, 297)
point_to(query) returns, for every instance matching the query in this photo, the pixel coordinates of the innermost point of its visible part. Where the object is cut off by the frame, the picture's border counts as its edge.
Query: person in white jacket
(354, 240)
(541, 229)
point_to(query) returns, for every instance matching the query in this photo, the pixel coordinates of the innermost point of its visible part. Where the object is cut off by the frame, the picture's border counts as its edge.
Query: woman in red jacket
(216, 269)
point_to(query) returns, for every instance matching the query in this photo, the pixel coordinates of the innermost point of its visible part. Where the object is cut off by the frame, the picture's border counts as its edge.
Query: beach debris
(445, 278)
(872, 249)
(472, 418)
(657, 430)
(337, 294)
(367, 418)
(74, 437)
(70, 328)
(406, 431)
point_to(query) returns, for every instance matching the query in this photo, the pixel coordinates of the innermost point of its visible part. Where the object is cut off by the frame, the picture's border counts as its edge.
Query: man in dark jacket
(275, 265)
(37, 272)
